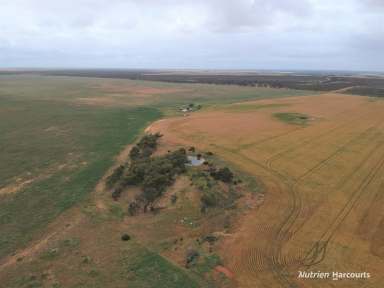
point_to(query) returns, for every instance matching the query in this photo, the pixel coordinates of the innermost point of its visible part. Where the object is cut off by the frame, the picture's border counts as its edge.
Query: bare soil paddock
(323, 209)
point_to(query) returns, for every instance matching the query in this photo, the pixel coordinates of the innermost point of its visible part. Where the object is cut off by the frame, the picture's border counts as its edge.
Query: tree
(145, 147)
(132, 208)
(152, 174)
(223, 174)
(149, 140)
(173, 198)
(134, 153)
(115, 176)
(117, 192)
(125, 237)
(191, 257)
(209, 199)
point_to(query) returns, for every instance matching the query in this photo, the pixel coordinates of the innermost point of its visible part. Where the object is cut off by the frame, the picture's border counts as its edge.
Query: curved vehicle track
(258, 251)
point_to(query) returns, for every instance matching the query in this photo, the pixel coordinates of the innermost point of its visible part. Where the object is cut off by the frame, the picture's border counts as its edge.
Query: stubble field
(323, 174)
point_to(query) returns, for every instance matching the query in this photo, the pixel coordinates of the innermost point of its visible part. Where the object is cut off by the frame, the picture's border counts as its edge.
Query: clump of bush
(145, 147)
(173, 199)
(142, 150)
(202, 180)
(115, 176)
(133, 207)
(222, 174)
(191, 257)
(212, 194)
(125, 237)
(153, 174)
(117, 191)
(211, 239)
(209, 199)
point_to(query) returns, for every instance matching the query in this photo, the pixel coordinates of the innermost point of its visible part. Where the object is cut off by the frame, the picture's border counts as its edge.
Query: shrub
(153, 174)
(132, 208)
(210, 239)
(149, 142)
(125, 237)
(223, 174)
(145, 147)
(134, 153)
(212, 194)
(209, 199)
(117, 192)
(191, 257)
(173, 199)
(115, 176)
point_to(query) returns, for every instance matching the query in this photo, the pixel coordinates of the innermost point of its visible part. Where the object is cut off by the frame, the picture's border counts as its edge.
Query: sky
(193, 34)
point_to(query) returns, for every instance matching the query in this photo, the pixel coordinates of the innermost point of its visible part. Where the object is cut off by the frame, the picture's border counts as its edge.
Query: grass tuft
(292, 118)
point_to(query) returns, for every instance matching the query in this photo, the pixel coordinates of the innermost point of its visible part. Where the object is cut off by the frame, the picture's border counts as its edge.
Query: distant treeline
(313, 82)
(367, 85)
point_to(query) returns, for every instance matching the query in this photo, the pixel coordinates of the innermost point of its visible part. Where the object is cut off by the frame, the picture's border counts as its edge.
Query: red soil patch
(221, 269)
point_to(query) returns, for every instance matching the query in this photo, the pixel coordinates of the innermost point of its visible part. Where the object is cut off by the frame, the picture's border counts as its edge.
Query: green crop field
(61, 149)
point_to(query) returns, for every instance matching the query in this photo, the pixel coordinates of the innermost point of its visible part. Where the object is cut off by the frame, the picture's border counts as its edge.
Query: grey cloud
(373, 3)
(230, 15)
(280, 34)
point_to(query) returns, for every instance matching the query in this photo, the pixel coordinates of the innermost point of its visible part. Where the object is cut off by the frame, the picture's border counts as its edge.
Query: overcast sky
(208, 34)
